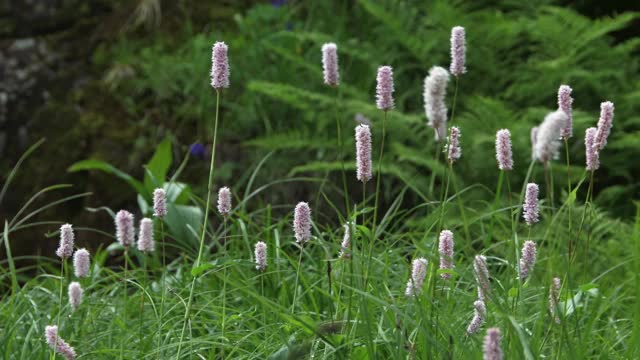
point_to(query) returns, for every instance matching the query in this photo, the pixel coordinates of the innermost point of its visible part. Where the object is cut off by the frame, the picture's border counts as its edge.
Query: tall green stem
(204, 226)
(377, 197)
(163, 290)
(125, 298)
(55, 345)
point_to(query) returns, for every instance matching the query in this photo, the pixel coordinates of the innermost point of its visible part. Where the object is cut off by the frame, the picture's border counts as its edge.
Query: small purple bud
(197, 150)
(384, 89)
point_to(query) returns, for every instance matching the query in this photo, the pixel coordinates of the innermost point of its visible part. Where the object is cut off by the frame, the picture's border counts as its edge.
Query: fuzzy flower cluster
(547, 141)
(384, 88)
(605, 123)
(302, 222)
(58, 344)
(65, 249)
(503, 150)
(363, 153)
(435, 90)
(491, 347)
(159, 203)
(346, 242)
(454, 151)
(219, 66)
(445, 248)
(592, 154)
(224, 201)
(554, 298)
(81, 263)
(261, 256)
(330, 64)
(145, 236)
(531, 212)
(418, 273)
(458, 51)
(75, 294)
(534, 138)
(124, 228)
(528, 259)
(482, 276)
(479, 314)
(565, 102)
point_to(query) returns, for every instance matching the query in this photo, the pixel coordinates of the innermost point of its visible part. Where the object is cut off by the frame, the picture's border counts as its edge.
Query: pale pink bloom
(503, 150)
(479, 314)
(65, 249)
(159, 203)
(124, 228)
(219, 66)
(531, 212)
(528, 259)
(384, 88)
(458, 51)
(363, 153)
(224, 201)
(445, 248)
(491, 347)
(482, 276)
(435, 90)
(548, 136)
(81, 263)
(592, 154)
(58, 344)
(261, 256)
(145, 236)
(330, 64)
(554, 298)
(418, 273)
(302, 223)
(346, 243)
(454, 151)
(534, 139)
(564, 103)
(605, 123)
(75, 294)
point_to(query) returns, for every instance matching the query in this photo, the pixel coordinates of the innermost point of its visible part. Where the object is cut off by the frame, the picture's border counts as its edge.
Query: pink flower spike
(554, 298)
(479, 314)
(531, 212)
(418, 273)
(605, 123)
(528, 259)
(592, 154)
(302, 223)
(224, 201)
(503, 150)
(145, 237)
(384, 88)
(482, 276)
(548, 136)
(58, 344)
(81, 263)
(124, 228)
(435, 90)
(65, 250)
(565, 102)
(330, 64)
(363, 153)
(159, 203)
(346, 242)
(261, 256)
(219, 66)
(491, 348)
(75, 294)
(454, 151)
(445, 248)
(458, 51)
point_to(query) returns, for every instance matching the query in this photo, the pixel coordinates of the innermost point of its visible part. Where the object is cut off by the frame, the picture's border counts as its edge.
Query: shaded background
(110, 80)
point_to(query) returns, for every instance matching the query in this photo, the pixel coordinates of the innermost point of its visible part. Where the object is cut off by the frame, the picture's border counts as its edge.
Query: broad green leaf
(158, 166)
(91, 164)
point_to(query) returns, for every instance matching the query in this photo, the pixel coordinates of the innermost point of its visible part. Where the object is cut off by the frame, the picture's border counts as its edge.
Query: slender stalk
(163, 273)
(496, 201)
(295, 289)
(340, 155)
(377, 197)
(55, 345)
(144, 286)
(566, 150)
(204, 226)
(125, 298)
(223, 252)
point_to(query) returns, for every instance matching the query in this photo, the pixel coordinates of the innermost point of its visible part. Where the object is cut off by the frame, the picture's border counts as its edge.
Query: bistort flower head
(363, 153)
(159, 203)
(81, 263)
(145, 237)
(591, 151)
(528, 259)
(435, 90)
(219, 66)
(330, 64)
(58, 344)
(482, 276)
(124, 228)
(261, 256)
(445, 248)
(384, 88)
(65, 249)
(564, 103)
(534, 139)
(531, 211)
(491, 348)
(346, 242)
(458, 51)
(418, 273)
(503, 150)
(302, 223)
(605, 123)
(224, 201)
(454, 151)
(548, 136)
(75, 294)
(554, 298)
(479, 314)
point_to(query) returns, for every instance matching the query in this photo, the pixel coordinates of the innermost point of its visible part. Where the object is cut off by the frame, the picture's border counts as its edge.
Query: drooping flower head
(482, 276)
(75, 294)
(261, 256)
(302, 223)
(548, 136)
(124, 228)
(81, 263)
(58, 344)
(418, 273)
(435, 90)
(531, 212)
(454, 151)
(65, 249)
(384, 88)
(145, 237)
(554, 298)
(458, 51)
(564, 103)
(363, 153)
(445, 248)
(528, 259)
(479, 314)
(491, 348)
(503, 150)
(592, 154)
(346, 242)
(219, 66)
(330, 64)
(159, 203)
(224, 201)
(605, 123)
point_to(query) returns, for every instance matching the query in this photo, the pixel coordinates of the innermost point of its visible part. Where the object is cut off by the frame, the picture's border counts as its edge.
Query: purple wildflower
(454, 151)
(224, 201)
(261, 256)
(363, 153)
(197, 150)
(445, 248)
(145, 237)
(346, 242)
(479, 314)
(503, 150)
(548, 136)
(302, 223)
(330, 64)
(528, 259)
(534, 140)
(491, 348)
(384, 88)
(418, 273)
(564, 103)
(458, 51)
(58, 344)
(592, 154)
(605, 123)
(435, 90)
(159, 203)
(81, 263)
(219, 66)
(482, 276)
(75, 294)
(531, 211)
(124, 228)
(65, 250)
